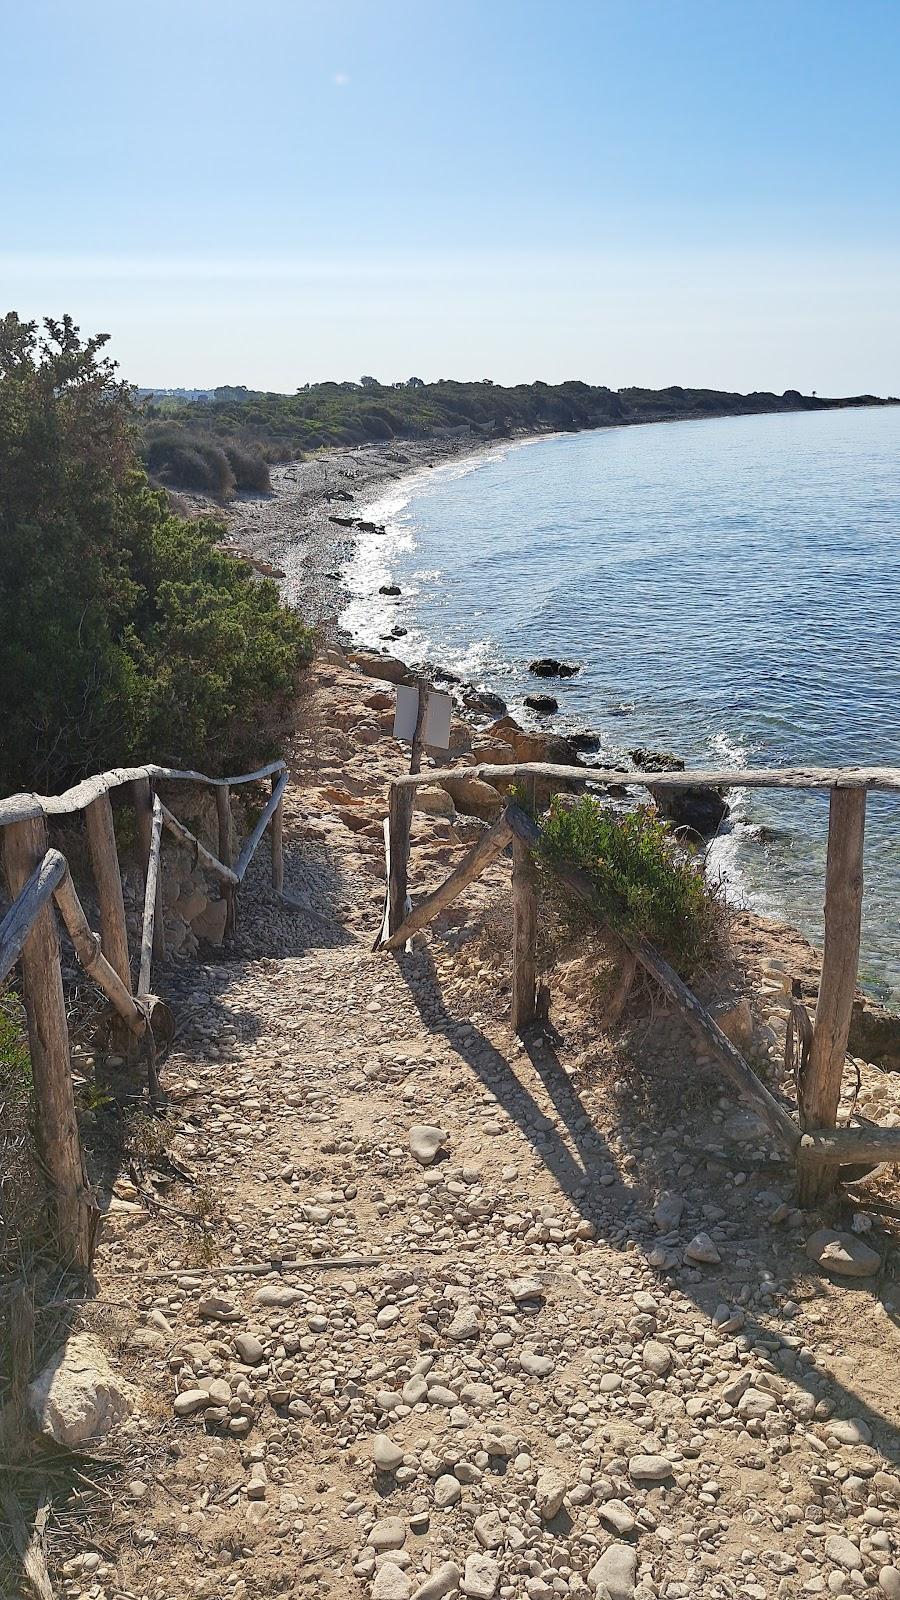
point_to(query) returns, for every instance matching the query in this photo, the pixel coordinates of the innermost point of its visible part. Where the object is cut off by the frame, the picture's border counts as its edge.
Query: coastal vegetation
(228, 441)
(125, 634)
(644, 884)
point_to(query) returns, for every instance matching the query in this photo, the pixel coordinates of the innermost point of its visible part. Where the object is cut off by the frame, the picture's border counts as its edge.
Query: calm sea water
(731, 589)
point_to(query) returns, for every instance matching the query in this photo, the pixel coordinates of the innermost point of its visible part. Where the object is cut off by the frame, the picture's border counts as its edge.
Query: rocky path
(590, 1357)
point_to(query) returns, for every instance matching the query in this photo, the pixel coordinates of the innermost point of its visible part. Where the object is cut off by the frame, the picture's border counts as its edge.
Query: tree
(370, 383)
(415, 383)
(124, 633)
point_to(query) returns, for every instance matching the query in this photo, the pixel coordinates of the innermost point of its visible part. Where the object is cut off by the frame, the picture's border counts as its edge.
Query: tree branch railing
(811, 1139)
(39, 878)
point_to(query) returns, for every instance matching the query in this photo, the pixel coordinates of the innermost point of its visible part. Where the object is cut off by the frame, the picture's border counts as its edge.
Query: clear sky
(627, 191)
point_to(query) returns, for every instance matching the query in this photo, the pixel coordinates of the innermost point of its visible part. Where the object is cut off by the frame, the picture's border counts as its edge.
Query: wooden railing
(38, 877)
(811, 1138)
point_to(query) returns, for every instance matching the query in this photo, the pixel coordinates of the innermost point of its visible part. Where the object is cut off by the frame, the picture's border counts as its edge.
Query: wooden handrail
(882, 778)
(152, 904)
(23, 807)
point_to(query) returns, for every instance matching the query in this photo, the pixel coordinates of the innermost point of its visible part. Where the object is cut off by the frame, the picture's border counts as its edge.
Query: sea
(730, 589)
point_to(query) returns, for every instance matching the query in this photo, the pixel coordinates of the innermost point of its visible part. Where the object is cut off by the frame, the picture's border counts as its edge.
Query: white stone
(842, 1253)
(447, 1491)
(650, 1469)
(387, 1455)
(277, 1294)
(549, 1493)
(442, 1581)
(843, 1552)
(480, 1578)
(614, 1575)
(77, 1396)
(391, 1583)
(425, 1141)
(388, 1534)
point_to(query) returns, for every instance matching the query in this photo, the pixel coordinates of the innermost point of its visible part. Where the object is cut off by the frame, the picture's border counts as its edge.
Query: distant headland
(216, 441)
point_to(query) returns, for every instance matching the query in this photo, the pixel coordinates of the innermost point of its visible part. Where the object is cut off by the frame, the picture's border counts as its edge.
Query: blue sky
(646, 191)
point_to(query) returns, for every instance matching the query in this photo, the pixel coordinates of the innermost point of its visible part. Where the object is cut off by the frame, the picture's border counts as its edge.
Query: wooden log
(274, 801)
(104, 857)
(207, 860)
(880, 778)
(73, 1210)
(524, 973)
(739, 1074)
(87, 947)
(277, 836)
(16, 925)
(835, 1147)
(147, 813)
(837, 986)
(472, 865)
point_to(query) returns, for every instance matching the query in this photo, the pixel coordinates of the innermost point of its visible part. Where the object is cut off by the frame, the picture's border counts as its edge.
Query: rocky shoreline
(305, 532)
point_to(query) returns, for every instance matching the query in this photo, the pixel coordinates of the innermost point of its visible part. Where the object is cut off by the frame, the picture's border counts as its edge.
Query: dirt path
(561, 1398)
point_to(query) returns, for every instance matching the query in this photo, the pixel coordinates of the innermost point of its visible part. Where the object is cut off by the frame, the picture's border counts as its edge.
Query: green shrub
(125, 635)
(643, 882)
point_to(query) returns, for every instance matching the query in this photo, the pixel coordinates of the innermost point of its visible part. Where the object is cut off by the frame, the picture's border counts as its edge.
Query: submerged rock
(700, 807)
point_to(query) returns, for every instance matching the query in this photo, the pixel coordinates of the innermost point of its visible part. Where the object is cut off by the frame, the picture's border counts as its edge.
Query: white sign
(436, 726)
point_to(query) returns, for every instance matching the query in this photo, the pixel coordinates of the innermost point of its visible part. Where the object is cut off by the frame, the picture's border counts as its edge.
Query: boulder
(434, 802)
(542, 703)
(389, 588)
(701, 807)
(483, 700)
(614, 1574)
(533, 746)
(375, 665)
(655, 761)
(549, 667)
(842, 1253)
(472, 797)
(77, 1396)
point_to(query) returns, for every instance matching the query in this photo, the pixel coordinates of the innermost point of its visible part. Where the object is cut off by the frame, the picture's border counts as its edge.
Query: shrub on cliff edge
(643, 883)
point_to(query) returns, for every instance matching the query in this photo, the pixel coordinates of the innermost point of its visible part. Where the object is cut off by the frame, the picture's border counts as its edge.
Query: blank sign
(436, 727)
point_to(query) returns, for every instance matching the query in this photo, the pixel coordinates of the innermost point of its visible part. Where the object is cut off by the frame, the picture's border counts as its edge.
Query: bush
(643, 882)
(125, 635)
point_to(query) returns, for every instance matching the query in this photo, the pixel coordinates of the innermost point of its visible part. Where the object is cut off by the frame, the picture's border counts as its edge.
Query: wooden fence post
(223, 815)
(277, 827)
(524, 976)
(821, 1089)
(101, 834)
(400, 810)
(59, 1146)
(142, 794)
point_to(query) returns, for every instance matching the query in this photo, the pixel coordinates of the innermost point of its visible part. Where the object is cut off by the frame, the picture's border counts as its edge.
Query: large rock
(77, 1396)
(426, 1142)
(442, 1581)
(549, 1493)
(543, 704)
(614, 1575)
(375, 665)
(210, 924)
(549, 667)
(391, 1583)
(472, 796)
(700, 808)
(529, 746)
(481, 1577)
(842, 1253)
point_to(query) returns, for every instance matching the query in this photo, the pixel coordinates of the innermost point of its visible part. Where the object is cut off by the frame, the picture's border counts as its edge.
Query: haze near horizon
(625, 193)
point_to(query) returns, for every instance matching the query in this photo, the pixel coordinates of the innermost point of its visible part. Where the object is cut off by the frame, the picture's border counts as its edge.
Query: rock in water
(700, 807)
(77, 1396)
(542, 703)
(614, 1574)
(425, 1141)
(549, 667)
(842, 1253)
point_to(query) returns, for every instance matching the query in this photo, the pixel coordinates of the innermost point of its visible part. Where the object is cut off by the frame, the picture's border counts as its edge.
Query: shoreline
(297, 531)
